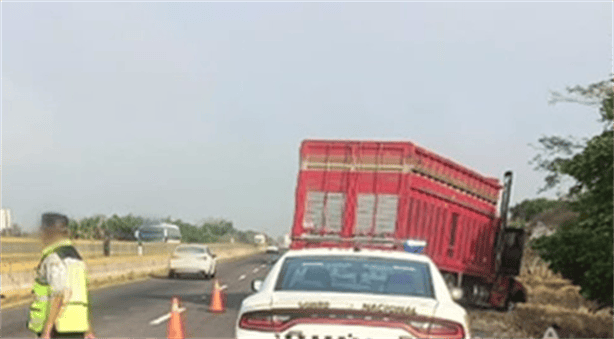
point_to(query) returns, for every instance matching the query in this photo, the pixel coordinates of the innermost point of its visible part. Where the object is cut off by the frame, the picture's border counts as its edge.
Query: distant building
(5, 219)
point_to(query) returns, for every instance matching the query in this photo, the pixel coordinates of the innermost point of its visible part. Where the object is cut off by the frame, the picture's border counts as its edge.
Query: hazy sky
(197, 110)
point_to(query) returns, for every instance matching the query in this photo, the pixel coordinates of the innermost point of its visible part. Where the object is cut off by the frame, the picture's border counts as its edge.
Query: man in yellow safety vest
(61, 305)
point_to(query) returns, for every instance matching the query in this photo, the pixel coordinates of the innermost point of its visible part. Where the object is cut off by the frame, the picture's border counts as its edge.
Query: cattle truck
(379, 194)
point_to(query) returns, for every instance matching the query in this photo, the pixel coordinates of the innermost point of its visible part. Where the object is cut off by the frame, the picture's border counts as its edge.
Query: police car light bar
(414, 246)
(410, 245)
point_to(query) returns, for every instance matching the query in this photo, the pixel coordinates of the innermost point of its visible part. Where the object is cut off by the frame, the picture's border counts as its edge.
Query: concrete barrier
(25, 253)
(16, 281)
(17, 249)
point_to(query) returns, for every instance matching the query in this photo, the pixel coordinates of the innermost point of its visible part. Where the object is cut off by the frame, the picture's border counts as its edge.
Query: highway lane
(128, 310)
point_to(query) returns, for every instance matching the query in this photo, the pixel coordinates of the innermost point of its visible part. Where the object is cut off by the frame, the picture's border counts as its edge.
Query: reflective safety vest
(74, 315)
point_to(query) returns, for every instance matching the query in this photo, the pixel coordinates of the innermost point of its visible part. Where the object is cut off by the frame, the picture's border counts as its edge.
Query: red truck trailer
(380, 194)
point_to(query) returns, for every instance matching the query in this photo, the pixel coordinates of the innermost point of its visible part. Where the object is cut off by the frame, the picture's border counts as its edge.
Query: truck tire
(513, 300)
(509, 305)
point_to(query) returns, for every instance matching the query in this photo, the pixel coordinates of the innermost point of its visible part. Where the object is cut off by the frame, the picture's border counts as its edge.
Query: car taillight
(262, 322)
(439, 329)
(416, 327)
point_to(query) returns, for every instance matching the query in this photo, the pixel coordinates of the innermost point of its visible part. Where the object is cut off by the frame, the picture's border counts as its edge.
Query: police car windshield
(347, 274)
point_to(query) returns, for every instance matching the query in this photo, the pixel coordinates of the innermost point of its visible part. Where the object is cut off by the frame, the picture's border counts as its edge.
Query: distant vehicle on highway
(273, 257)
(352, 293)
(192, 259)
(272, 249)
(259, 239)
(162, 232)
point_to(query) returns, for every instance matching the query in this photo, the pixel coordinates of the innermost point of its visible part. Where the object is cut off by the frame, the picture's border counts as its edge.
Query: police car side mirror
(256, 285)
(456, 293)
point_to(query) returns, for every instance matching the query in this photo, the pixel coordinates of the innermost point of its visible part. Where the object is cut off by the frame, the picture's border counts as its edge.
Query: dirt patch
(565, 297)
(551, 301)
(536, 282)
(492, 324)
(534, 319)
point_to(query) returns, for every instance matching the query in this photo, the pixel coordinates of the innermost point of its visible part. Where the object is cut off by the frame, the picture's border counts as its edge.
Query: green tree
(87, 228)
(189, 232)
(581, 249)
(529, 208)
(123, 228)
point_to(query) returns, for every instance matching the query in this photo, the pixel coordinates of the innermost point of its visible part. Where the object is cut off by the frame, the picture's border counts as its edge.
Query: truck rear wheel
(512, 301)
(510, 305)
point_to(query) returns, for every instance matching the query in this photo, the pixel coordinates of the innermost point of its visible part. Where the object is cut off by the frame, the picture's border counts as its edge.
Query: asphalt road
(128, 310)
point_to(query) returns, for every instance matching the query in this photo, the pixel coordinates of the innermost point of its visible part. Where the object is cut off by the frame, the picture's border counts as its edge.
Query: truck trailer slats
(399, 189)
(377, 191)
(395, 156)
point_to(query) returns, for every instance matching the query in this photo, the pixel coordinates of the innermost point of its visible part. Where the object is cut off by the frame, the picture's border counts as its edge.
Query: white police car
(348, 293)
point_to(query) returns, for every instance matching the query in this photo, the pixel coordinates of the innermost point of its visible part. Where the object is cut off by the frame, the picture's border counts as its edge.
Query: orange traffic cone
(217, 302)
(175, 325)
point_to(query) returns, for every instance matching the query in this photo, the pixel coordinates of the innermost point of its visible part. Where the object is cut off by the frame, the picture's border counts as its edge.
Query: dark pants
(106, 248)
(55, 334)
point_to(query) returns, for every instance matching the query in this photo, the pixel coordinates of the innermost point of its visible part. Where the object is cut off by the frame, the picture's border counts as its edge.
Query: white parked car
(192, 259)
(272, 249)
(346, 293)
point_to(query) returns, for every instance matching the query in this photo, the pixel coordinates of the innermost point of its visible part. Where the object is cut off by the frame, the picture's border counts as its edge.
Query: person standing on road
(61, 305)
(140, 248)
(107, 244)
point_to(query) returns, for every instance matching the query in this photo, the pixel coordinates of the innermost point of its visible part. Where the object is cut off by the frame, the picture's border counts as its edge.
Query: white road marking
(255, 270)
(242, 277)
(164, 318)
(224, 287)
(263, 265)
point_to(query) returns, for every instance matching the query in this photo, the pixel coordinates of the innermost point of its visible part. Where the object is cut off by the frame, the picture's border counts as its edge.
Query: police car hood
(360, 303)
